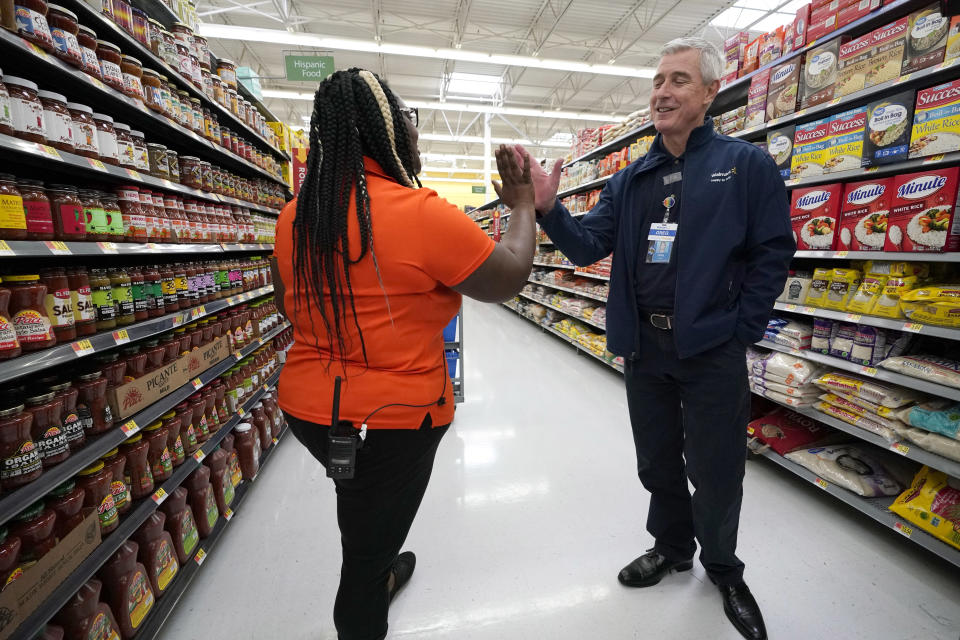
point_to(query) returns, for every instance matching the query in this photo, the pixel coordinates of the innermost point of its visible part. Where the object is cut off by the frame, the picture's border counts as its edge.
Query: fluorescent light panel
(442, 137)
(318, 41)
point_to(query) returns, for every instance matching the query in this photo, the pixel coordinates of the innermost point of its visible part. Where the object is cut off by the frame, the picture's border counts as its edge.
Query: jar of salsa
(114, 216)
(159, 167)
(13, 220)
(220, 401)
(95, 215)
(9, 344)
(259, 420)
(67, 394)
(112, 368)
(128, 589)
(173, 165)
(183, 291)
(28, 313)
(9, 558)
(141, 159)
(135, 361)
(138, 290)
(97, 494)
(64, 28)
(86, 617)
(220, 479)
(35, 528)
(134, 222)
(199, 419)
(87, 39)
(188, 435)
(47, 430)
(110, 72)
(202, 500)
(26, 109)
(180, 524)
(102, 298)
(21, 457)
(116, 465)
(136, 450)
(67, 502)
(153, 351)
(169, 286)
(248, 449)
(157, 552)
(152, 288)
(31, 21)
(233, 460)
(84, 131)
(122, 297)
(132, 72)
(92, 405)
(58, 303)
(158, 455)
(210, 409)
(125, 150)
(69, 223)
(107, 139)
(171, 422)
(56, 120)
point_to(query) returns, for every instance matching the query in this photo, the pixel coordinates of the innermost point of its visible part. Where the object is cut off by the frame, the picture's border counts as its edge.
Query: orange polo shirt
(424, 245)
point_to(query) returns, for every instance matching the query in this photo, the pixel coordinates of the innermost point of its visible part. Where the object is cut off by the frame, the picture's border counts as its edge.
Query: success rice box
(810, 144)
(864, 215)
(813, 215)
(887, 138)
(922, 213)
(872, 59)
(936, 121)
(846, 140)
(757, 99)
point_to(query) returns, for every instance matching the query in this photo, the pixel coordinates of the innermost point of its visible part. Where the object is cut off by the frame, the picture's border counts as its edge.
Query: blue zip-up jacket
(734, 243)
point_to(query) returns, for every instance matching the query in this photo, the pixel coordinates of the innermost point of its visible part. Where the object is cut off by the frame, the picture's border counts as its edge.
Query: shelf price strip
(903, 529)
(121, 337)
(159, 496)
(82, 348)
(200, 557)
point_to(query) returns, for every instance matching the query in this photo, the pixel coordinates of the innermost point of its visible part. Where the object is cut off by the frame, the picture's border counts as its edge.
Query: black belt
(661, 319)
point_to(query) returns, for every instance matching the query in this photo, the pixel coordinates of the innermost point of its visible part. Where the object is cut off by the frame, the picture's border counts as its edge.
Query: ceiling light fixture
(442, 137)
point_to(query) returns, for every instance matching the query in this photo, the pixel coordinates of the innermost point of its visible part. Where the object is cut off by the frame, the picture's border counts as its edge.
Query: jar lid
(127, 58)
(87, 377)
(136, 134)
(40, 398)
(226, 61)
(153, 426)
(197, 100)
(50, 95)
(22, 278)
(60, 386)
(150, 72)
(27, 182)
(121, 127)
(76, 106)
(259, 405)
(134, 439)
(169, 415)
(107, 357)
(11, 411)
(155, 23)
(88, 30)
(103, 44)
(191, 158)
(64, 488)
(63, 10)
(96, 467)
(131, 350)
(243, 427)
(110, 454)
(155, 145)
(103, 117)
(20, 82)
(180, 25)
(31, 512)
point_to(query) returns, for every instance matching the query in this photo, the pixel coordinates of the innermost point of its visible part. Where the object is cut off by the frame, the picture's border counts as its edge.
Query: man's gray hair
(711, 62)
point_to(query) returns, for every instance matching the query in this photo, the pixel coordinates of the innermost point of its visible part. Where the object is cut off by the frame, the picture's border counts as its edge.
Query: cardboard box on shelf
(800, 25)
(25, 595)
(922, 212)
(853, 62)
(283, 134)
(846, 140)
(780, 148)
(733, 49)
(887, 138)
(813, 215)
(820, 73)
(926, 39)
(819, 29)
(810, 144)
(823, 11)
(751, 57)
(757, 99)
(856, 10)
(953, 39)
(782, 93)
(936, 121)
(771, 46)
(864, 215)
(888, 47)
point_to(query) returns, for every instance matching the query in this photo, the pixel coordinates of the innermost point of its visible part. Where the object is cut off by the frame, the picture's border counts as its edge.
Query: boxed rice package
(810, 144)
(820, 28)
(846, 132)
(820, 73)
(953, 39)
(922, 212)
(780, 147)
(887, 138)
(751, 57)
(734, 48)
(855, 10)
(800, 23)
(757, 99)
(927, 39)
(936, 121)
(863, 215)
(813, 214)
(783, 90)
(872, 59)
(771, 46)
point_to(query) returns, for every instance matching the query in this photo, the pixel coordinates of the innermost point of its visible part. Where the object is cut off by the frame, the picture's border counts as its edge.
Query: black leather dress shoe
(743, 611)
(402, 569)
(649, 569)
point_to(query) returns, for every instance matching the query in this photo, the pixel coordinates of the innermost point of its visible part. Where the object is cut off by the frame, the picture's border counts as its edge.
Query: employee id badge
(662, 237)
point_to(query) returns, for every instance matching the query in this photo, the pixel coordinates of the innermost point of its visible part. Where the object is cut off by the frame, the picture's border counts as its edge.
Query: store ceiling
(620, 36)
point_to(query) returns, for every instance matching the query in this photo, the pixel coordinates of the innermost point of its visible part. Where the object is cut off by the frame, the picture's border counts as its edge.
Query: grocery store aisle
(534, 507)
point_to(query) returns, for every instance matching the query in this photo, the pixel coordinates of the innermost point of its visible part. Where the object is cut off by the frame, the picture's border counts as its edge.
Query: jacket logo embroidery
(723, 176)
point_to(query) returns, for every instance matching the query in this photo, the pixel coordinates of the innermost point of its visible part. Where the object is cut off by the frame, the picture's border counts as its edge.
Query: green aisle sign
(308, 68)
(480, 189)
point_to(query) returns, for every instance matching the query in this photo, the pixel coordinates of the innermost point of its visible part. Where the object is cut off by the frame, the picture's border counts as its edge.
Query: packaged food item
(751, 57)
(841, 344)
(939, 415)
(771, 46)
(922, 212)
(97, 494)
(786, 389)
(156, 552)
(757, 99)
(782, 92)
(824, 331)
(887, 138)
(933, 505)
(869, 346)
(855, 10)
(813, 215)
(793, 370)
(851, 467)
(931, 368)
(128, 588)
(85, 616)
(927, 39)
(864, 215)
(837, 407)
(843, 284)
(896, 269)
(882, 394)
(936, 121)
(888, 304)
(796, 288)
(800, 23)
(819, 285)
(846, 133)
(784, 399)
(820, 73)
(180, 524)
(933, 304)
(946, 447)
(810, 144)
(780, 148)
(953, 40)
(789, 333)
(733, 49)
(867, 294)
(865, 407)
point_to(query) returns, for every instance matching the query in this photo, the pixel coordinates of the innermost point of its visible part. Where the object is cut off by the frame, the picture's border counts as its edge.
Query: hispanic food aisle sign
(864, 215)
(922, 216)
(936, 121)
(813, 215)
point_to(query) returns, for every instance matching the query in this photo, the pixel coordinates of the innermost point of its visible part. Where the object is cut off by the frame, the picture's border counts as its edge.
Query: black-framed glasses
(412, 113)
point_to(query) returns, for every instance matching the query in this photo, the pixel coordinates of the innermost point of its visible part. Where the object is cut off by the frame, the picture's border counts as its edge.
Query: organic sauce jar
(180, 524)
(157, 553)
(47, 430)
(21, 458)
(97, 494)
(128, 588)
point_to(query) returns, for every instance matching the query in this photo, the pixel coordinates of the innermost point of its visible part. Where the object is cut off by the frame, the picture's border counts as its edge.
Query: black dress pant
(375, 510)
(689, 421)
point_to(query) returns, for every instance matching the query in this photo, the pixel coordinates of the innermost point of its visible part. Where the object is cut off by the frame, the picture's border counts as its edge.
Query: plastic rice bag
(790, 401)
(896, 269)
(842, 409)
(785, 431)
(843, 285)
(865, 407)
(867, 294)
(842, 343)
(898, 342)
(888, 304)
(796, 288)
(868, 345)
(796, 370)
(824, 331)
(851, 467)
(932, 442)
(931, 504)
(930, 368)
(785, 389)
(817, 293)
(884, 395)
(936, 416)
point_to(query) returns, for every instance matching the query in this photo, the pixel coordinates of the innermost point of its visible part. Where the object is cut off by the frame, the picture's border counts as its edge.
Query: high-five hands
(517, 189)
(545, 184)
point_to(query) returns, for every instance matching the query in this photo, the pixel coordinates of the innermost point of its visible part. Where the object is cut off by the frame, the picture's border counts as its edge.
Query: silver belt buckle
(661, 321)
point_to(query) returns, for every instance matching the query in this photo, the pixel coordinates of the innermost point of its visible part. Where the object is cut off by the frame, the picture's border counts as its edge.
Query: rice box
(810, 144)
(864, 213)
(783, 88)
(821, 10)
(820, 28)
(853, 61)
(757, 99)
(922, 212)
(887, 138)
(780, 147)
(800, 23)
(936, 121)
(889, 46)
(813, 215)
(846, 140)
(820, 73)
(953, 40)
(926, 39)
(733, 49)
(855, 10)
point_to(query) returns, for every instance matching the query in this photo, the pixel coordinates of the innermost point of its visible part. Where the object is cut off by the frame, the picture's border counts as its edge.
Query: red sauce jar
(67, 502)
(171, 348)
(87, 39)
(84, 312)
(67, 394)
(97, 494)
(113, 368)
(29, 315)
(136, 363)
(58, 303)
(69, 222)
(128, 589)
(220, 479)
(56, 120)
(154, 356)
(92, 405)
(202, 501)
(233, 460)
(85, 138)
(157, 553)
(158, 455)
(138, 469)
(134, 221)
(138, 290)
(188, 435)
(47, 430)
(31, 19)
(9, 345)
(259, 420)
(36, 208)
(35, 528)
(180, 524)
(110, 59)
(200, 427)
(169, 287)
(64, 28)
(13, 221)
(9, 558)
(210, 409)
(171, 422)
(220, 401)
(21, 457)
(85, 617)
(248, 449)
(116, 465)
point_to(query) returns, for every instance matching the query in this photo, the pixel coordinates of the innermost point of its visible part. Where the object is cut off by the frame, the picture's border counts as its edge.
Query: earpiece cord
(439, 402)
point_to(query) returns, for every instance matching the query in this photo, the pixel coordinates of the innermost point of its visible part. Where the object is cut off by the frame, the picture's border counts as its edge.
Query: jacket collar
(698, 137)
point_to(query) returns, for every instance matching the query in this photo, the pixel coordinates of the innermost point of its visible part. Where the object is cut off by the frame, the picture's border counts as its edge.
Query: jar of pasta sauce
(87, 39)
(110, 72)
(31, 19)
(20, 456)
(57, 121)
(107, 139)
(70, 417)
(64, 28)
(36, 208)
(26, 109)
(84, 131)
(58, 303)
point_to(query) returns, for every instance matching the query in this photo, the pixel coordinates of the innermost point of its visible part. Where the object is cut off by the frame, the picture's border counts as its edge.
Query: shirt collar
(372, 167)
(698, 137)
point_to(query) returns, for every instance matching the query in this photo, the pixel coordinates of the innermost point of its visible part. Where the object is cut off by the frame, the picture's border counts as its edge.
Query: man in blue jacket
(701, 243)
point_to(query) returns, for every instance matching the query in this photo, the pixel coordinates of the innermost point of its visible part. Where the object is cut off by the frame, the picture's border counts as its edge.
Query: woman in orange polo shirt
(370, 268)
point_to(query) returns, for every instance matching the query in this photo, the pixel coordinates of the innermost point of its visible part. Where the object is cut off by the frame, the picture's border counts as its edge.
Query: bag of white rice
(843, 284)
(790, 401)
(930, 368)
(884, 395)
(817, 293)
(849, 412)
(896, 269)
(938, 415)
(850, 467)
(888, 304)
(824, 331)
(842, 343)
(868, 345)
(785, 389)
(932, 442)
(865, 407)
(867, 293)
(796, 371)
(898, 342)
(789, 333)
(796, 288)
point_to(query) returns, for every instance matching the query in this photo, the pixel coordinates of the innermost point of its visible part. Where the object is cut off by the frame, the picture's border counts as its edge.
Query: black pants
(689, 420)
(375, 511)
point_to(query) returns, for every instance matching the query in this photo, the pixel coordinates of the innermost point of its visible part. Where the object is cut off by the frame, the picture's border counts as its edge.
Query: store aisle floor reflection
(533, 508)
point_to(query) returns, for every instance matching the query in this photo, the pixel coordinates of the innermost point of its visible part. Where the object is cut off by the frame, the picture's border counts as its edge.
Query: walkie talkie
(344, 442)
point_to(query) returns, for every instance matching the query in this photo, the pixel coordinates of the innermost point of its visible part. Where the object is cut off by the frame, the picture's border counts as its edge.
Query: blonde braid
(387, 114)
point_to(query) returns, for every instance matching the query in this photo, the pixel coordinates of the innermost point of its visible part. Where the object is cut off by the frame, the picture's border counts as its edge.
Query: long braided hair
(355, 114)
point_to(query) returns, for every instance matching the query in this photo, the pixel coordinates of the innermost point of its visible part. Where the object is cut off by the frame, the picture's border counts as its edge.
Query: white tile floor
(534, 507)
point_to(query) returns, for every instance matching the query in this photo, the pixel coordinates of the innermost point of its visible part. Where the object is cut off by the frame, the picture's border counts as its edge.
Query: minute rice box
(813, 215)
(936, 121)
(922, 213)
(864, 214)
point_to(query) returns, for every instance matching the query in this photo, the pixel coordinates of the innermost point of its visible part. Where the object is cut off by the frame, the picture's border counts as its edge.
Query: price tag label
(868, 371)
(241, 412)
(903, 529)
(810, 311)
(159, 496)
(238, 355)
(913, 327)
(134, 174)
(836, 101)
(200, 557)
(231, 300)
(5, 249)
(58, 247)
(870, 170)
(751, 431)
(199, 311)
(108, 247)
(899, 447)
(199, 455)
(902, 79)
(841, 254)
(37, 50)
(152, 246)
(96, 164)
(266, 388)
(121, 337)
(177, 320)
(50, 152)
(260, 340)
(196, 383)
(129, 428)
(96, 82)
(82, 348)
(228, 514)
(852, 317)
(820, 482)
(791, 183)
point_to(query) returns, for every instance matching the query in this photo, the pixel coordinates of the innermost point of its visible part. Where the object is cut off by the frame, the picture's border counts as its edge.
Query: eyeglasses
(411, 113)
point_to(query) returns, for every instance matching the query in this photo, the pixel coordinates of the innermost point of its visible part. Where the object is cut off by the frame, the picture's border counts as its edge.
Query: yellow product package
(896, 269)
(931, 504)
(867, 294)
(933, 304)
(817, 294)
(888, 304)
(843, 284)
